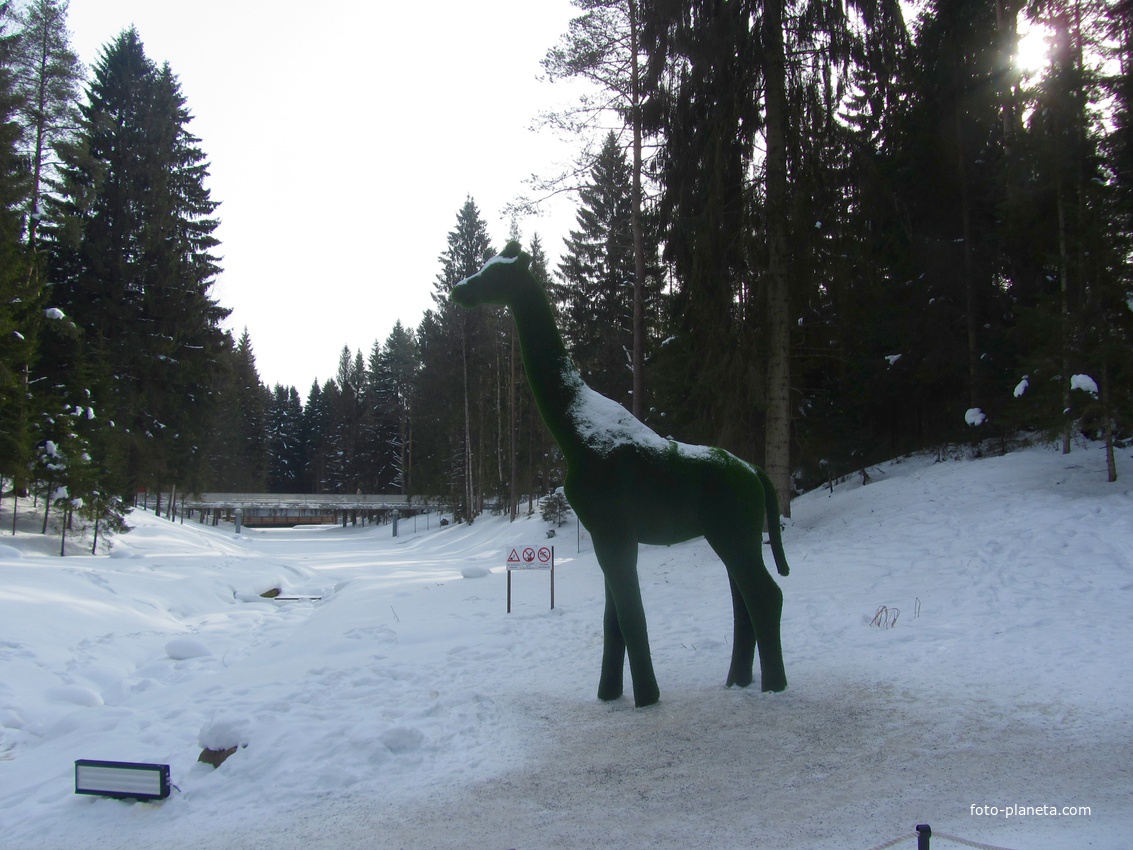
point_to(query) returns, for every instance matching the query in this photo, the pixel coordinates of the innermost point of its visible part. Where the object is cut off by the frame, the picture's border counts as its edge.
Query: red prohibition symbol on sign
(528, 555)
(544, 554)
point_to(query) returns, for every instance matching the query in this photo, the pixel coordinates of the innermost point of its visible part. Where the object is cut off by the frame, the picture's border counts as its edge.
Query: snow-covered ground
(406, 709)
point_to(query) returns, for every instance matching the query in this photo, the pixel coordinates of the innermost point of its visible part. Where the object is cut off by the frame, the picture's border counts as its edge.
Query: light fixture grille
(122, 779)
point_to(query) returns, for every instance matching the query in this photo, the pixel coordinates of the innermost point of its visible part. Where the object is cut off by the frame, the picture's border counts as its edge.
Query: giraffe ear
(513, 251)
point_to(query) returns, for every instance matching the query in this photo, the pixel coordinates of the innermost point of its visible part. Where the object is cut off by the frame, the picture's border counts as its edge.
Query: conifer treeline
(868, 231)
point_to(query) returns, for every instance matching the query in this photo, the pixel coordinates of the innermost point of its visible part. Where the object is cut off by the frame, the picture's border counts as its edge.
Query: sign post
(531, 558)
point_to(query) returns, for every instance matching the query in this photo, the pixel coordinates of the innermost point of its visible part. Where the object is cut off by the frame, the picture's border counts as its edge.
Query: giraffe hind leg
(763, 599)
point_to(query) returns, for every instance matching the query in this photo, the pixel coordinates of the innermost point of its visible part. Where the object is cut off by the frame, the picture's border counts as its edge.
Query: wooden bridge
(288, 509)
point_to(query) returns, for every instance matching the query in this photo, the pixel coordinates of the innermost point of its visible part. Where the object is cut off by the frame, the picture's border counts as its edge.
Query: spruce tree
(286, 454)
(376, 441)
(131, 241)
(436, 384)
(346, 463)
(536, 451)
(704, 104)
(470, 340)
(954, 145)
(323, 468)
(731, 86)
(598, 270)
(50, 77)
(393, 376)
(604, 46)
(1078, 321)
(316, 420)
(249, 420)
(43, 74)
(237, 441)
(17, 325)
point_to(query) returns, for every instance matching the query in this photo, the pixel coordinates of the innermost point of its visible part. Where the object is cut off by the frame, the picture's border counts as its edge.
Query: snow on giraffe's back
(605, 425)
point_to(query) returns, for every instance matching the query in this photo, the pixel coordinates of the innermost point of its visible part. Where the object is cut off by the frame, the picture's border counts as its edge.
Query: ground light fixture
(122, 779)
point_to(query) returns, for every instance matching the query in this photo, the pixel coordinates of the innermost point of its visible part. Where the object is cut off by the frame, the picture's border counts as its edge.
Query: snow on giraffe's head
(497, 282)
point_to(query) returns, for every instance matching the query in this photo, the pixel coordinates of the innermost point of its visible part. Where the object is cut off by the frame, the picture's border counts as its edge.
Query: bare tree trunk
(468, 489)
(63, 533)
(531, 461)
(1107, 428)
(969, 267)
(513, 421)
(1007, 24)
(638, 236)
(777, 452)
(1064, 286)
(41, 98)
(407, 457)
(47, 503)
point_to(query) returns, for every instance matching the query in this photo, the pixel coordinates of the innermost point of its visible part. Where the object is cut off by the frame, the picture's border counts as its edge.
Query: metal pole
(924, 833)
(509, 590)
(552, 578)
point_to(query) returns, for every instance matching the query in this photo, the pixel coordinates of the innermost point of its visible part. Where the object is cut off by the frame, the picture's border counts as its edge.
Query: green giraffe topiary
(628, 486)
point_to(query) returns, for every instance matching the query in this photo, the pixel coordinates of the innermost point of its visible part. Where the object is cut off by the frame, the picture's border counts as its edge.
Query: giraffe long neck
(555, 381)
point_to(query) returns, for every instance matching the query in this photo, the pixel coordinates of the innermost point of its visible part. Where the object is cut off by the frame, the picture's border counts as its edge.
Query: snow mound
(1084, 383)
(403, 739)
(182, 649)
(224, 733)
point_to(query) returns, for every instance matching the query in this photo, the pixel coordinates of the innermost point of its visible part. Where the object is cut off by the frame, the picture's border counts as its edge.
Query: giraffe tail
(771, 506)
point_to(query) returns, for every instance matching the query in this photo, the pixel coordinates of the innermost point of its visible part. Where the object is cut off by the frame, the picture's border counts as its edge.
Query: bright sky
(344, 137)
(1033, 46)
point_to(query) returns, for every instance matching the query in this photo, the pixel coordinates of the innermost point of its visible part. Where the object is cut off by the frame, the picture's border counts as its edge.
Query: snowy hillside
(405, 708)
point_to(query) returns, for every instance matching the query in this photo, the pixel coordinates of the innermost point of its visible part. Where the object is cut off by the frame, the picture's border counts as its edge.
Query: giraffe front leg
(610, 685)
(618, 560)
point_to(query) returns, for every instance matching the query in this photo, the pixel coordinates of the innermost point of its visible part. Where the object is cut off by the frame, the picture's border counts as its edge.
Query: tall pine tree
(50, 77)
(393, 375)
(286, 448)
(131, 261)
(604, 46)
(16, 323)
(599, 273)
(459, 352)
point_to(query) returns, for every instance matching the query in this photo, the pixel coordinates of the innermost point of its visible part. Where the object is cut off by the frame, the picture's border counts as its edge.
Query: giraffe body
(628, 485)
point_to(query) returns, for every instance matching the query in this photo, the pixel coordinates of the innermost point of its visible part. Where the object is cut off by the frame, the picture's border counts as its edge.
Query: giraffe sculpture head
(498, 282)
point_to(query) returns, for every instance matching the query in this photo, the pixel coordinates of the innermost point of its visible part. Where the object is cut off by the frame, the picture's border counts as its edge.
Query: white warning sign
(530, 558)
